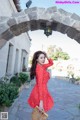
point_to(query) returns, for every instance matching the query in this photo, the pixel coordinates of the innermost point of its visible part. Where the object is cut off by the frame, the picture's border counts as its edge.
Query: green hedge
(20, 79)
(16, 81)
(23, 77)
(8, 92)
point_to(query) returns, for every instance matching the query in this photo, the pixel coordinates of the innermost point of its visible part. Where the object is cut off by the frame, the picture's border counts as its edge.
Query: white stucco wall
(3, 60)
(21, 42)
(7, 7)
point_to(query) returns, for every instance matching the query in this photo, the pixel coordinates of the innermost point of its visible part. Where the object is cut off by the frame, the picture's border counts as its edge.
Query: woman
(40, 95)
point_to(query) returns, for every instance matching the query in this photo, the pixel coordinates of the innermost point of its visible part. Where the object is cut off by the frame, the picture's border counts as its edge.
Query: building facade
(14, 55)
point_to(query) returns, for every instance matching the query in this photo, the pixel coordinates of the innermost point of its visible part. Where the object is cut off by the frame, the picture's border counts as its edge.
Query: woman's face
(41, 59)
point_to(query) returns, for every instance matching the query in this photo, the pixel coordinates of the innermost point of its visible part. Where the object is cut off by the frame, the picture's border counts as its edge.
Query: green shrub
(16, 81)
(23, 77)
(78, 78)
(8, 92)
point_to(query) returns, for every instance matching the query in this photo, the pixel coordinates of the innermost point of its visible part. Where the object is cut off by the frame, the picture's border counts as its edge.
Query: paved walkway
(66, 96)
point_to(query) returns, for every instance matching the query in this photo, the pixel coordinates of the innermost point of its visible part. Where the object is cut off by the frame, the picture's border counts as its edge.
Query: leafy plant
(56, 53)
(77, 79)
(16, 81)
(4, 79)
(23, 77)
(8, 92)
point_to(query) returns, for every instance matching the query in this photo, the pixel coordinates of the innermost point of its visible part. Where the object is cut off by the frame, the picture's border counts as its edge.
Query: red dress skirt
(40, 90)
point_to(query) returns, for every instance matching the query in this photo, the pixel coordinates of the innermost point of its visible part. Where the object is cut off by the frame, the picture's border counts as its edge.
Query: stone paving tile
(23, 115)
(12, 116)
(66, 98)
(57, 113)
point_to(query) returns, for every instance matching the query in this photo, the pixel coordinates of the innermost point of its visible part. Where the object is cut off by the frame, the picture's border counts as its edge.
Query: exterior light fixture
(48, 31)
(28, 3)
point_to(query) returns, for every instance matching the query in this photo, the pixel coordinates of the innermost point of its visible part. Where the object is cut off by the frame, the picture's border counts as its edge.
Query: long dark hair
(34, 62)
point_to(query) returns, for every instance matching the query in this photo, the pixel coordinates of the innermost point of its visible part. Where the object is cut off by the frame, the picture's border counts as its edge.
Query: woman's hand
(41, 105)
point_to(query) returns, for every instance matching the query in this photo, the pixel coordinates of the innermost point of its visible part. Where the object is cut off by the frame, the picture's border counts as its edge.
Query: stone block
(45, 16)
(76, 25)
(68, 21)
(7, 35)
(17, 14)
(22, 19)
(62, 28)
(57, 17)
(77, 37)
(71, 32)
(11, 22)
(30, 10)
(32, 16)
(51, 10)
(75, 16)
(3, 27)
(15, 30)
(63, 12)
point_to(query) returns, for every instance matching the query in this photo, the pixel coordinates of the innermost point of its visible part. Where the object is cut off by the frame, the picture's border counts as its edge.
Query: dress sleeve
(50, 63)
(39, 78)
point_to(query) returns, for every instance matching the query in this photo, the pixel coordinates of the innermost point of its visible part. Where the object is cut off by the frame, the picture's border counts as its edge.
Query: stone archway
(37, 18)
